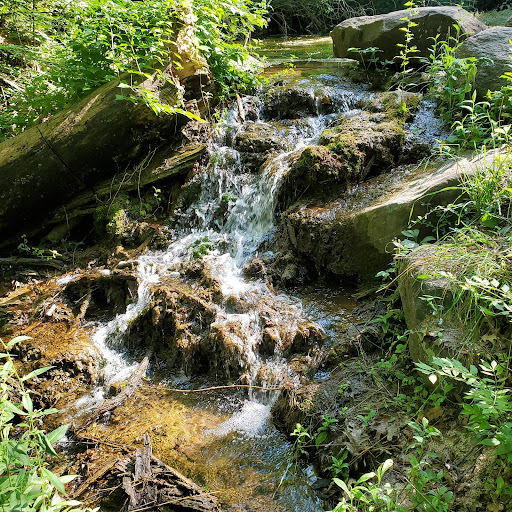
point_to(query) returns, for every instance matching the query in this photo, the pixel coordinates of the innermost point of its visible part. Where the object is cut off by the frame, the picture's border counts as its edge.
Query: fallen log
(77, 149)
(166, 164)
(153, 484)
(30, 262)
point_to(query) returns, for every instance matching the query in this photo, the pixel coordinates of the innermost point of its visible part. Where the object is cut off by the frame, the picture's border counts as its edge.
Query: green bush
(54, 53)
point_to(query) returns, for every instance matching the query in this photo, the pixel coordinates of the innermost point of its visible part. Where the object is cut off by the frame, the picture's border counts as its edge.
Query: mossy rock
(316, 170)
(370, 143)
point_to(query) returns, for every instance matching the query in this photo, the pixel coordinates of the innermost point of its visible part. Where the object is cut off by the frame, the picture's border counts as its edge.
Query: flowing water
(233, 444)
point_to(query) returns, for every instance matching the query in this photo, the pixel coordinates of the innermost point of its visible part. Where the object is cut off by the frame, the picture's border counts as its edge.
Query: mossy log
(166, 164)
(77, 150)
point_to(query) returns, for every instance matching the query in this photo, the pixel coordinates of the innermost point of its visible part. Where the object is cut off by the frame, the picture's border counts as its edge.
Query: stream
(228, 442)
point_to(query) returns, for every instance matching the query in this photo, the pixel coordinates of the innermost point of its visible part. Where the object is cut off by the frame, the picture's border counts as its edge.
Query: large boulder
(353, 236)
(384, 31)
(493, 47)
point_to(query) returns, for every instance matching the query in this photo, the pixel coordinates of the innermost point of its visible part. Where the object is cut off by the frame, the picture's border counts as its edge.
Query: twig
(170, 502)
(214, 388)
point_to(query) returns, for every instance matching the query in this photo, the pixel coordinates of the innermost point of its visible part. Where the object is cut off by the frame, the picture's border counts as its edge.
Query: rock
(431, 333)
(368, 142)
(359, 146)
(100, 294)
(259, 139)
(284, 102)
(353, 235)
(188, 332)
(508, 23)
(492, 45)
(316, 170)
(384, 31)
(392, 102)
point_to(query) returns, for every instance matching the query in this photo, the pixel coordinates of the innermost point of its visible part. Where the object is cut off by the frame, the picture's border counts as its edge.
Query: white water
(233, 241)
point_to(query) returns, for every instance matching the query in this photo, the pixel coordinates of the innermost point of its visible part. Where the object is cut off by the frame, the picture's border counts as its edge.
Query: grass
(495, 18)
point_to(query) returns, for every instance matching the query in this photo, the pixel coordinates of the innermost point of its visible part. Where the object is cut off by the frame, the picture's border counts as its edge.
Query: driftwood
(150, 484)
(101, 471)
(153, 484)
(113, 403)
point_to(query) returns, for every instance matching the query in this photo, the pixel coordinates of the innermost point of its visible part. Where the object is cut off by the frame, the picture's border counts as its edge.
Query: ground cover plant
(26, 482)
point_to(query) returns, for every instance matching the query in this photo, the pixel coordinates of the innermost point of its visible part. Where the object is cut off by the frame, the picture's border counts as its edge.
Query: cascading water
(247, 201)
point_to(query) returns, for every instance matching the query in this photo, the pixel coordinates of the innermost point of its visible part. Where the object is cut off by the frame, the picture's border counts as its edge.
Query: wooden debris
(154, 484)
(101, 471)
(30, 262)
(113, 403)
(150, 484)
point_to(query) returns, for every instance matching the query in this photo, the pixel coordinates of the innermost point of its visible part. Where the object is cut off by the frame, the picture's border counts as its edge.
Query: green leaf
(320, 438)
(46, 445)
(37, 372)
(365, 477)
(27, 403)
(53, 479)
(343, 485)
(17, 340)
(490, 221)
(57, 434)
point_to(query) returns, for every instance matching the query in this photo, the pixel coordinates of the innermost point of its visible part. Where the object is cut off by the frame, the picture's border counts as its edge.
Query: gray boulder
(383, 31)
(492, 44)
(353, 236)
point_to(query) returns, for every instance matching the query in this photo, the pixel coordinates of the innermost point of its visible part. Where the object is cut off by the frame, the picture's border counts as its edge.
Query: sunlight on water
(247, 200)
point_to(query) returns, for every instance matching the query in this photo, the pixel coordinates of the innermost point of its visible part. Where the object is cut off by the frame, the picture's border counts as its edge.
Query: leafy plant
(303, 437)
(26, 483)
(488, 405)
(425, 487)
(366, 493)
(323, 430)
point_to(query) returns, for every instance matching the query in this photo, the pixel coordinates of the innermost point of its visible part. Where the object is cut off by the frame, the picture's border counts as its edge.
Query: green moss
(342, 142)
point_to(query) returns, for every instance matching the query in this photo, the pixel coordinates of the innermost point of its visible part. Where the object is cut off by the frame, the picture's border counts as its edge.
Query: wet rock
(393, 103)
(316, 170)
(359, 335)
(252, 108)
(358, 146)
(255, 269)
(100, 294)
(491, 48)
(175, 326)
(258, 139)
(285, 102)
(385, 31)
(116, 387)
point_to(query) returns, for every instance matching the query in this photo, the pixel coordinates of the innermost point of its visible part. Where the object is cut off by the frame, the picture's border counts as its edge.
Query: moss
(343, 144)
(400, 106)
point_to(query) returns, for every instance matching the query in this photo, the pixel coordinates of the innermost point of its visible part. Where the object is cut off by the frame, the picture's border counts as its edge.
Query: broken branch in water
(215, 388)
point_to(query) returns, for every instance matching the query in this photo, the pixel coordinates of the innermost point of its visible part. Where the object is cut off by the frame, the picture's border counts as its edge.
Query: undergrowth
(26, 482)
(54, 52)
